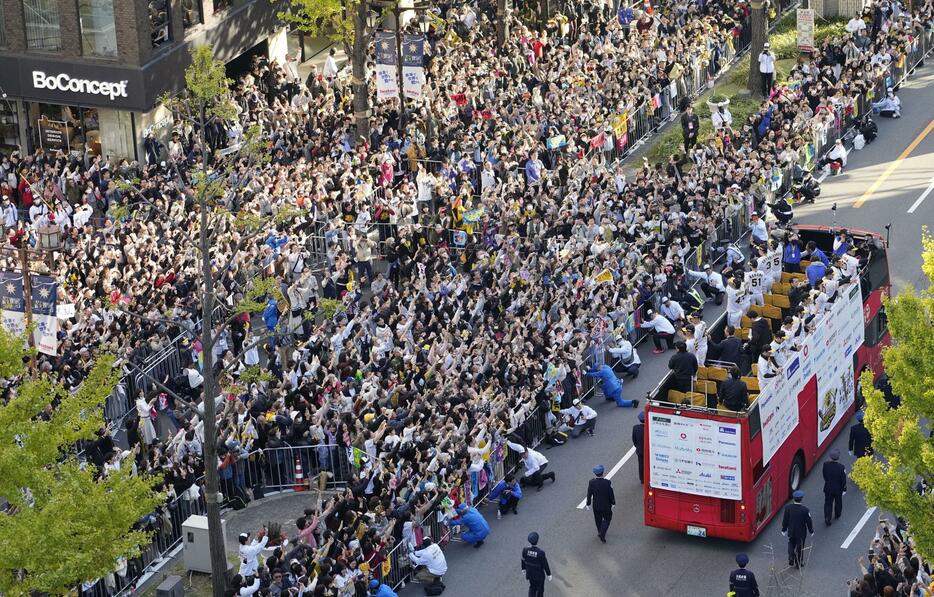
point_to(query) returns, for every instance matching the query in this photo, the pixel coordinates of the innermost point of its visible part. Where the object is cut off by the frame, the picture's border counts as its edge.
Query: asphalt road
(641, 561)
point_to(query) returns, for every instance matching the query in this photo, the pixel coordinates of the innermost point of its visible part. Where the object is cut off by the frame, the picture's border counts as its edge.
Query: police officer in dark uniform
(860, 439)
(638, 441)
(536, 566)
(834, 486)
(796, 522)
(600, 494)
(743, 582)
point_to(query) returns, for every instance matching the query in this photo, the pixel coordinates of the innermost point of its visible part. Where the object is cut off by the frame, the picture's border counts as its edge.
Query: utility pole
(397, 14)
(759, 29)
(27, 297)
(502, 26)
(361, 94)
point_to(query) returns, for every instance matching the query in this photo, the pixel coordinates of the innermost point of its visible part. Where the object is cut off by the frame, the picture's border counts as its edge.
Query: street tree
(901, 436)
(759, 35)
(343, 22)
(65, 523)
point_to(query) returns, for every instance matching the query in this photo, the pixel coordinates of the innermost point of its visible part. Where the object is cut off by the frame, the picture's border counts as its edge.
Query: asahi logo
(63, 82)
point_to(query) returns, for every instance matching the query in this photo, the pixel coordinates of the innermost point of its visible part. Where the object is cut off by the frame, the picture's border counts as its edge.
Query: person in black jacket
(796, 523)
(860, 443)
(690, 126)
(760, 334)
(535, 564)
(743, 582)
(727, 350)
(734, 394)
(600, 493)
(834, 486)
(638, 441)
(683, 367)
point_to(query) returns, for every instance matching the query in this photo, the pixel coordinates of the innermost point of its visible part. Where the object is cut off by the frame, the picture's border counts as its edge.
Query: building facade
(86, 75)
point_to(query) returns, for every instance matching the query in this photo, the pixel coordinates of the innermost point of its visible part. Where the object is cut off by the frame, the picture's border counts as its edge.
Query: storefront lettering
(63, 82)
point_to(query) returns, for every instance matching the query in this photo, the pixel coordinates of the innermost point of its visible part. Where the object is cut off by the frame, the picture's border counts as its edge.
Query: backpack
(556, 438)
(435, 588)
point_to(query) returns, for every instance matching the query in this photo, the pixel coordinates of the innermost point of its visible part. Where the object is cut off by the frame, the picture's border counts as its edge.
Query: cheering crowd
(442, 349)
(892, 568)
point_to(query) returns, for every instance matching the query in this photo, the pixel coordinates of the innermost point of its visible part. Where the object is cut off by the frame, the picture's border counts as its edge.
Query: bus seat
(755, 369)
(752, 383)
(745, 322)
(675, 396)
(701, 373)
(742, 333)
(768, 298)
(722, 410)
(804, 264)
(716, 373)
(781, 301)
(771, 312)
(697, 399)
(705, 387)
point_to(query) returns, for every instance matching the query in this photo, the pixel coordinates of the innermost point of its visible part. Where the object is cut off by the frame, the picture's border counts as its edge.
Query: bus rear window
(876, 328)
(755, 423)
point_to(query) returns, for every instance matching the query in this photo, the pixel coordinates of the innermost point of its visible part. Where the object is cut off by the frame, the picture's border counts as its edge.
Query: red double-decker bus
(713, 472)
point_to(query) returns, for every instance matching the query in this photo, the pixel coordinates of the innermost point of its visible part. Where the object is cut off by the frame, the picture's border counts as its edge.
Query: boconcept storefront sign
(80, 84)
(65, 82)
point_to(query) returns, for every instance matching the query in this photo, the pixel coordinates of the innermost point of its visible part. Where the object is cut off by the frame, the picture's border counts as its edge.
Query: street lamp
(424, 23)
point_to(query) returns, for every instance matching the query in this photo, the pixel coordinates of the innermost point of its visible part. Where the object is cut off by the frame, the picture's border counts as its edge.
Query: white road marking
(859, 526)
(612, 472)
(923, 196)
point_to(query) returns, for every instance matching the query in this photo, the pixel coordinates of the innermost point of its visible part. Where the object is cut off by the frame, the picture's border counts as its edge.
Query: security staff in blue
(477, 527)
(536, 566)
(796, 524)
(611, 385)
(834, 486)
(600, 494)
(743, 582)
(377, 589)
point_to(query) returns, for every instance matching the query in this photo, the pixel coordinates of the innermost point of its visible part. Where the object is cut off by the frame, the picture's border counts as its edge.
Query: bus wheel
(796, 475)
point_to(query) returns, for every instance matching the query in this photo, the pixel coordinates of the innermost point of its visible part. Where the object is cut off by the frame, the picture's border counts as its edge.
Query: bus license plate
(697, 531)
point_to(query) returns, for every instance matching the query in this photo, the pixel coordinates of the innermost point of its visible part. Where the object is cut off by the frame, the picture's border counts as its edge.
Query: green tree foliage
(64, 526)
(332, 19)
(904, 444)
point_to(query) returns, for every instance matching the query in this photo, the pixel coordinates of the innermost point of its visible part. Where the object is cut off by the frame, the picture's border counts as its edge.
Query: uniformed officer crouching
(743, 582)
(536, 567)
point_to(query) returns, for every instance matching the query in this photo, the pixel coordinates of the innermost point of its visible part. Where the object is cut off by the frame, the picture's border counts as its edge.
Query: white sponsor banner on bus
(843, 333)
(778, 407)
(696, 456)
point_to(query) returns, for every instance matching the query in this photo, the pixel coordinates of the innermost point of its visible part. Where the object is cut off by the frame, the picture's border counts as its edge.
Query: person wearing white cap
(672, 310)
(767, 69)
(711, 282)
(580, 418)
(249, 550)
(889, 106)
(661, 328)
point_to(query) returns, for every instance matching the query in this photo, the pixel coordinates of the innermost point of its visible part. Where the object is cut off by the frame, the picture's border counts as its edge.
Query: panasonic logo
(63, 82)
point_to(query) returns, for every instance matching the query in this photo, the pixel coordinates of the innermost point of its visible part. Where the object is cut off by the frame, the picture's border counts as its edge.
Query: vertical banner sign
(413, 71)
(44, 308)
(13, 302)
(387, 83)
(806, 29)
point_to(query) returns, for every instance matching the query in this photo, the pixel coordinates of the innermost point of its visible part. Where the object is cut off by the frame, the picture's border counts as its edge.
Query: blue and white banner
(44, 309)
(387, 81)
(413, 70)
(44, 314)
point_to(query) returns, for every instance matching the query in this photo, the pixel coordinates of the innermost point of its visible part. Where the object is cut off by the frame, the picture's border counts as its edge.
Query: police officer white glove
(587, 507)
(549, 578)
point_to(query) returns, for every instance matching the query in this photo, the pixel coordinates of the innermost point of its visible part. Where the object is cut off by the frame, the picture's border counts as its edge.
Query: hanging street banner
(806, 29)
(44, 314)
(387, 81)
(413, 69)
(44, 309)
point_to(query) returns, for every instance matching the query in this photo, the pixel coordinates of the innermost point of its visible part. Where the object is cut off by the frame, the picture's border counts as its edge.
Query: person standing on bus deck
(736, 302)
(535, 564)
(754, 282)
(796, 524)
(734, 393)
(600, 495)
(860, 439)
(638, 442)
(834, 486)
(683, 367)
(743, 582)
(760, 333)
(661, 328)
(700, 337)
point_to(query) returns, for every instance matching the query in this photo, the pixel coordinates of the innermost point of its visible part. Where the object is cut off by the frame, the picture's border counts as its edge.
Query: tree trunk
(759, 29)
(502, 31)
(211, 480)
(361, 94)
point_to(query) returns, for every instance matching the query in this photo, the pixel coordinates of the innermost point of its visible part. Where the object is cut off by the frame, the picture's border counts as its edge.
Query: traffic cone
(299, 476)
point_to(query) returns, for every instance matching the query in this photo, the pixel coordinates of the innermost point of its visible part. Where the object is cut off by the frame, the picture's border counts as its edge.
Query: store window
(98, 32)
(191, 13)
(159, 22)
(42, 25)
(220, 5)
(9, 128)
(65, 128)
